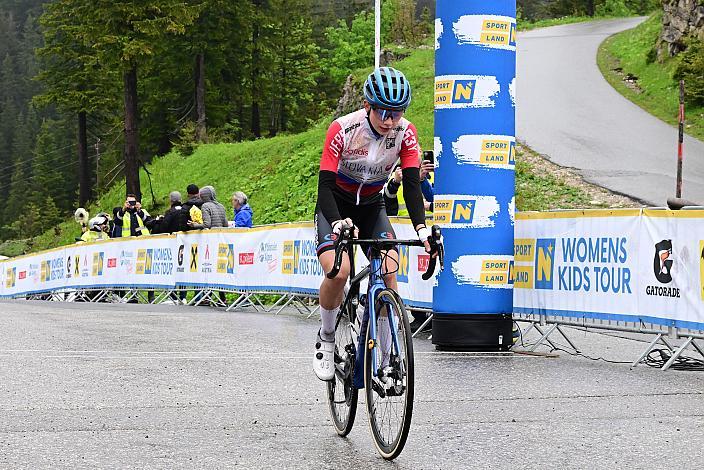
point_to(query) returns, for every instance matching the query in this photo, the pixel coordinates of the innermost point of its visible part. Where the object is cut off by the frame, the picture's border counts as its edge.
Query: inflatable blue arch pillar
(475, 76)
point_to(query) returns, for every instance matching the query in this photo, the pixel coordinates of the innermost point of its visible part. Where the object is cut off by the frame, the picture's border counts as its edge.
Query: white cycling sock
(328, 317)
(383, 332)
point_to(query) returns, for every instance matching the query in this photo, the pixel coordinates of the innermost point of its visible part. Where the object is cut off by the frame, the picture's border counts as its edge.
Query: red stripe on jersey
(367, 190)
(410, 149)
(334, 141)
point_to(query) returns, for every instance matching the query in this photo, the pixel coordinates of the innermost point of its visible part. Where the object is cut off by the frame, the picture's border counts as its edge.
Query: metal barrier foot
(650, 347)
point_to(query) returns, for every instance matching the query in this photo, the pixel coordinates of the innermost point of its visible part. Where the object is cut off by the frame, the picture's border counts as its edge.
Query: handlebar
(346, 239)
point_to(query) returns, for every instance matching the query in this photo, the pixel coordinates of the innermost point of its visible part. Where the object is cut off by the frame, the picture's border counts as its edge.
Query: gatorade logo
(466, 91)
(487, 31)
(488, 151)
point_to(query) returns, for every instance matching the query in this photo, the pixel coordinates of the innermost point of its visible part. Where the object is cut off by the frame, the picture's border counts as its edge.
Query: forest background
(92, 90)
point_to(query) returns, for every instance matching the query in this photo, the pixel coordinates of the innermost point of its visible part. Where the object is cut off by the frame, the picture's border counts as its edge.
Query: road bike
(374, 350)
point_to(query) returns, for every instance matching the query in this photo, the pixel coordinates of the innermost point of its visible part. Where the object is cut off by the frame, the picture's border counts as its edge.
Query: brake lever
(341, 245)
(436, 246)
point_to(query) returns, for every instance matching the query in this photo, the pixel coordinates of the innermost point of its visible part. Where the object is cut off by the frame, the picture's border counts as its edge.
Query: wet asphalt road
(114, 386)
(567, 111)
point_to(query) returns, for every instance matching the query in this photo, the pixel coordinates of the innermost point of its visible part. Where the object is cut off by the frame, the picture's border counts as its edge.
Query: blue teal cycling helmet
(387, 87)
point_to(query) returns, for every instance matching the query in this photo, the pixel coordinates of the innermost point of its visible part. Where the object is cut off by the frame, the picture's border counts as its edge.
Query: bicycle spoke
(390, 396)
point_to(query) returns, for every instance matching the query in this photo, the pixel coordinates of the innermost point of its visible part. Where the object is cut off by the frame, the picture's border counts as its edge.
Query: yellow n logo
(544, 266)
(464, 91)
(544, 254)
(463, 211)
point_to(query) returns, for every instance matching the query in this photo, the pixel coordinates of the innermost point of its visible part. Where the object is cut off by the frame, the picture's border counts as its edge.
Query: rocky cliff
(681, 18)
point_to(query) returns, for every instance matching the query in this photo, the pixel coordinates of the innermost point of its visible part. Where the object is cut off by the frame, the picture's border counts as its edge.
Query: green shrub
(613, 8)
(691, 70)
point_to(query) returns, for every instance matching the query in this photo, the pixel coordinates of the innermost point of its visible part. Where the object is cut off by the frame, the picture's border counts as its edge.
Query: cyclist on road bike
(361, 149)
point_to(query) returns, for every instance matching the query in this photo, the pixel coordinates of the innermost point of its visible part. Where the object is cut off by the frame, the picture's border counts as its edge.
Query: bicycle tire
(342, 395)
(389, 445)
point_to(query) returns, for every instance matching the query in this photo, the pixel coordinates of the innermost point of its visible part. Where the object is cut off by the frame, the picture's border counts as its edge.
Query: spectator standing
(191, 216)
(214, 215)
(391, 189)
(131, 220)
(169, 223)
(243, 212)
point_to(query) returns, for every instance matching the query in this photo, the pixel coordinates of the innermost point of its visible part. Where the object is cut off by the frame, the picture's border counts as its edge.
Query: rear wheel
(342, 395)
(389, 389)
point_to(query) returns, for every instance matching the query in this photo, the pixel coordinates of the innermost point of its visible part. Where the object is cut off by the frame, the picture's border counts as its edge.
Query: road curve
(567, 111)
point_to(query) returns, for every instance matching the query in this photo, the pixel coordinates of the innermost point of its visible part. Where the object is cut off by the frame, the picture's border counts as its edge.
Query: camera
(132, 203)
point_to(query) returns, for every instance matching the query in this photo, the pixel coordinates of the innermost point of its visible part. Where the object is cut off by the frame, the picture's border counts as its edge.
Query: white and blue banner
(475, 71)
(628, 265)
(276, 258)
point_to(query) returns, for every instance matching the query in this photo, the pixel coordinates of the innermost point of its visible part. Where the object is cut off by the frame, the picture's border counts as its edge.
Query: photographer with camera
(131, 220)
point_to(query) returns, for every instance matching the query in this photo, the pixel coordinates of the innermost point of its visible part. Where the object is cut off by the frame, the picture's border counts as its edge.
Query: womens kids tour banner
(631, 265)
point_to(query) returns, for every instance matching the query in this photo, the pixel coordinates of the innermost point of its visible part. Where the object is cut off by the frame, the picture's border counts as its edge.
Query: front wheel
(389, 389)
(342, 394)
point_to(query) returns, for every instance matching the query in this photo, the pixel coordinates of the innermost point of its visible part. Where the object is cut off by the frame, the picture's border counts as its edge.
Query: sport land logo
(466, 91)
(463, 211)
(226, 258)
(488, 31)
(300, 257)
(487, 271)
(487, 151)
(534, 263)
(98, 261)
(701, 268)
(10, 277)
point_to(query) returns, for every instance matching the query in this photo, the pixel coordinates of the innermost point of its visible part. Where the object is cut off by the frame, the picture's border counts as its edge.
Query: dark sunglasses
(384, 114)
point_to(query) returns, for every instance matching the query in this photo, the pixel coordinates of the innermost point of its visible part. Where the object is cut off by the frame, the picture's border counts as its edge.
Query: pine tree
(73, 78)
(124, 35)
(296, 57)
(20, 170)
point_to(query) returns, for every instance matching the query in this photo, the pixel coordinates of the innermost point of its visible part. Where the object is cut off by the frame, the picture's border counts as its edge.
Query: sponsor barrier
(278, 259)
(624, 270)
(627, 270)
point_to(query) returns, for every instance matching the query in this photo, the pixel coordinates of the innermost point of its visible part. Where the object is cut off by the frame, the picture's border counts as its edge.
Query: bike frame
(376, 284)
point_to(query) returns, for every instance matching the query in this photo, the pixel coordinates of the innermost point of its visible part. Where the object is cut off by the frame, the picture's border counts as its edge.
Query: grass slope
(280, 174)
(656, 92)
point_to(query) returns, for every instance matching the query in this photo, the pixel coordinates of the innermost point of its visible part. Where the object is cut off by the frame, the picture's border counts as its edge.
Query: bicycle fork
(376, 284)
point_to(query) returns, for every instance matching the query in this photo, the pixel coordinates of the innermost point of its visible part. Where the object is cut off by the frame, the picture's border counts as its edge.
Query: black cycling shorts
(371, 219)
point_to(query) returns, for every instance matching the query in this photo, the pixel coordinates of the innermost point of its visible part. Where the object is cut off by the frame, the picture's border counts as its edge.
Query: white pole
(377, 32)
